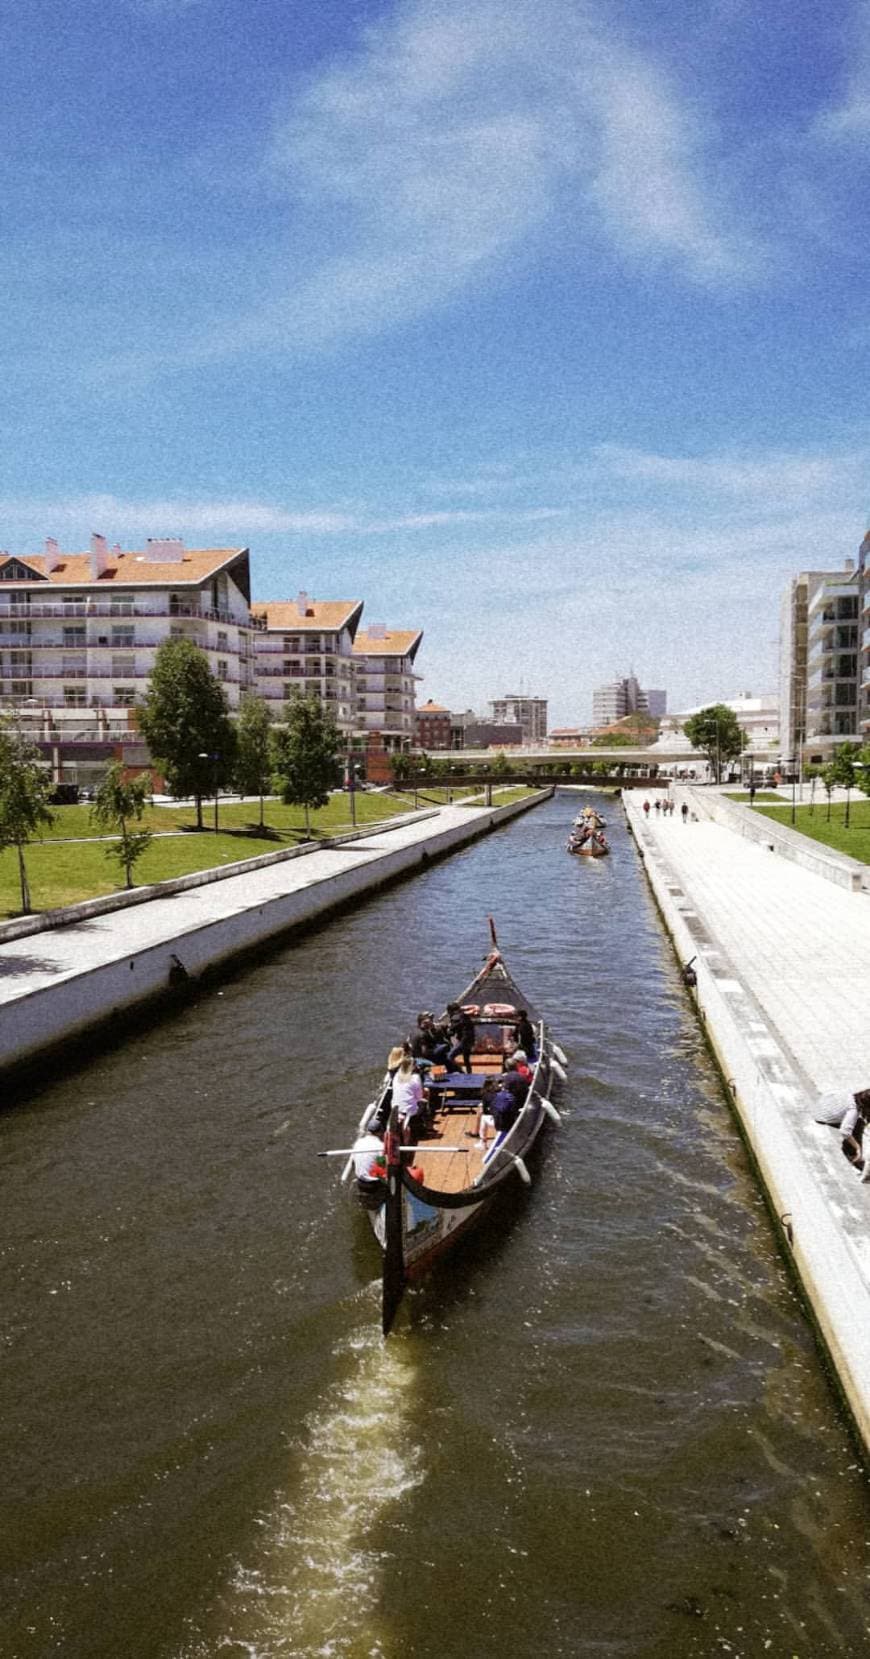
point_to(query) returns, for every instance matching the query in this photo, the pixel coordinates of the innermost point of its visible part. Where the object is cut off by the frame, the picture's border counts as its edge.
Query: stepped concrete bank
(97, 962)
(782, 957)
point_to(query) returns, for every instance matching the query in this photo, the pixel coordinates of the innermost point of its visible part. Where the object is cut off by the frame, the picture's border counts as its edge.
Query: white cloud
(849, 119)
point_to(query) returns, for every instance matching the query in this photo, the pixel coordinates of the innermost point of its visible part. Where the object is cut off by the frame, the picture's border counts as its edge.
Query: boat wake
(315, 1588)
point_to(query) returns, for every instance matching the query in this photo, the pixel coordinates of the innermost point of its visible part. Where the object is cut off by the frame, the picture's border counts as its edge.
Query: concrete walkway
(56, 983)
(783, 963)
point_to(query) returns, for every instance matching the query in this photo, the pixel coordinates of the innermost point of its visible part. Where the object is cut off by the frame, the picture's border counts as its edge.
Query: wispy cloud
(849, 117)
(237, 517)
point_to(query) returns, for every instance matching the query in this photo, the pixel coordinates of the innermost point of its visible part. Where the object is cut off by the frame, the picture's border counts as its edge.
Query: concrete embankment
(97, 961)
(782, 958)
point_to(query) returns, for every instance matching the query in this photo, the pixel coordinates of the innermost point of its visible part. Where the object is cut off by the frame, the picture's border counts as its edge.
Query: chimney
(52, 555)
(303, 603)
(377, 630)
(164, 550)
(99, 556)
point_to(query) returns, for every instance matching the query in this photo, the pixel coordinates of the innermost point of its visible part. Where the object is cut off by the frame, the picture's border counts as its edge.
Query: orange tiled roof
(320, 614)
(74, 569)
(432, 708)
(394, 643)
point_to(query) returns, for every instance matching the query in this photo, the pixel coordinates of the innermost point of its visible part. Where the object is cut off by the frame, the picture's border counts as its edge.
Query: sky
(541, 326)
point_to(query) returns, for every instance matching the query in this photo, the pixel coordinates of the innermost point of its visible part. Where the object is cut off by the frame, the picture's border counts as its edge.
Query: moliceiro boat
(423, 1190)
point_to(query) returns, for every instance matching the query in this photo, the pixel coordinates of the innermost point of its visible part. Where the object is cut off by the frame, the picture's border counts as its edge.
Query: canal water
(604, 1429)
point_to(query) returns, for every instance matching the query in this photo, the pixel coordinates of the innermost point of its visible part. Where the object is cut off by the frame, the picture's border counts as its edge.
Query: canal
(603, 1429)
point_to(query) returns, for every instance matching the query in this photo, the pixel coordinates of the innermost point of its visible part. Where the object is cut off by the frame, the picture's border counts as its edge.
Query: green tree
(253, 747)
(186, 724)
(501, 766)
(863, 770)
(306, 754)
(846, 769)
(830, 780)
(402, 767)
(717, 732)
(25, 786)
(119, 803)
(812, 774)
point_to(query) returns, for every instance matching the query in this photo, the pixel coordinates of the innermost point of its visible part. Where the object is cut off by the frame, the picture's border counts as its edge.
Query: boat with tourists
(588, 843)
(425, 1179)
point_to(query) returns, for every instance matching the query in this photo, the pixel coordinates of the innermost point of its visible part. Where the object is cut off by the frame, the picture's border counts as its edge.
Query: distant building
(793, 629)
(614, 701)
(306, 645)
(530, 713)
(758, 717)
(493, 734)
(385, 682)
(864, 588)
(833, 658)
(568, 737)
(432, 726)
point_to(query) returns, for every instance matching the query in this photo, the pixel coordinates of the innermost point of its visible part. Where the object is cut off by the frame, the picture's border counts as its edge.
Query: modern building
(385, 683)
(493, 734)
(864, 624)
(306, 645)
(530, 713)
(615, 700)
(833, 656)
(432, 726)
(79, 633)
(793, 659)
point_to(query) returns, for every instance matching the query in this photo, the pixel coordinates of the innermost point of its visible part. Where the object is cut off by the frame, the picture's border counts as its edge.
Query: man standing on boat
(462, 1032)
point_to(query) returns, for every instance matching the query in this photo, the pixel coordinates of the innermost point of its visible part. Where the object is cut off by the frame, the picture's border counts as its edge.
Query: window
(123, 665)
(223, 669)
(124, 694)
(73, 667)
(20, 659)
(122, 637)
(222, 641)
(74, 635)
(292, 643)
(74, 696)
(14, 572)
(121, 607)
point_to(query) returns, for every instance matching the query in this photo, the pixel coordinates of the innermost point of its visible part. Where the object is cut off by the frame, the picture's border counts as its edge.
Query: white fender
(522, 1172)
(550, 1110)
(560, 1054)
(559, 1071)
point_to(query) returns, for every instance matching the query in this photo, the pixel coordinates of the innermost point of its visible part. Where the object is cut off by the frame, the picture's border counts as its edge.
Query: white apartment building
(530, 713)
(307, 645)
(757, 716)
(793, 659)
(79, 633)
(385, 683)
(833, 656)
(864, 652)
(619, 698)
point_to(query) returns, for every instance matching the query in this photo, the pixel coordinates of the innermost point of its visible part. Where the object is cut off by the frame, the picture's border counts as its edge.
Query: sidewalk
(56, 983)
(783, 964)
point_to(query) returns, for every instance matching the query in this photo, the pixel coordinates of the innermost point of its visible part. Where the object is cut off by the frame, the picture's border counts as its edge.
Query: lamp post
(351, 784)
(216, 760)
(793, 764)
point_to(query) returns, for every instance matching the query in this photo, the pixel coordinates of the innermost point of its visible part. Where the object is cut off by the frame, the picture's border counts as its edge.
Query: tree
(845, 767)
(813, 773)
(25, 786)
(863, 770)
(118, 803)
(717, 732)
(402, 767)
(253, 747)
(830, 780)
(185, 722)
(306, 754)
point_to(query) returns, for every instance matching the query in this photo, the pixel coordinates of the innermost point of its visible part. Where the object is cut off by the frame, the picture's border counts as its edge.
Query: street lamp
(793, 764)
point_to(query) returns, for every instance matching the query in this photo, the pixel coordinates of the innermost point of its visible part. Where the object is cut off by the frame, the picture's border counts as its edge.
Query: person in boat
(516, 1078)
(409, 1099)
(523, 1033)
(600, 841)
(428, 1042)
(369, 1160)
(519, 1061)
(462, 1034)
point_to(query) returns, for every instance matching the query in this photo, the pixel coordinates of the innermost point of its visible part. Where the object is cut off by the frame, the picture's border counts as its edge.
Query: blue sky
(544, 326)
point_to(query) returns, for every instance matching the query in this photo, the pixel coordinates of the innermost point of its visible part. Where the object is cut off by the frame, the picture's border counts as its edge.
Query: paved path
(785, 956)
(40, 960)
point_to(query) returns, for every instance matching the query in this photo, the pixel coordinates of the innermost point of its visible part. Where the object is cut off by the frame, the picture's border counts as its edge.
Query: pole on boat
(492, 933)
(394, 1254)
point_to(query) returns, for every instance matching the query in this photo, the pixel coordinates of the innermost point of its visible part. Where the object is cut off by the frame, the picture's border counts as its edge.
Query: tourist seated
(462, 1036)
(369, 1162)
(516, 1078)
(523, 1033)
(504, 1109)
(409, 1099)
(428, 1042)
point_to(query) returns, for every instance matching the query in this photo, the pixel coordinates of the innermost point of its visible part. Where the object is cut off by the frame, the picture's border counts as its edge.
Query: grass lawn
(760, 795)
(76, 821)
(855, 840)
(64, 872)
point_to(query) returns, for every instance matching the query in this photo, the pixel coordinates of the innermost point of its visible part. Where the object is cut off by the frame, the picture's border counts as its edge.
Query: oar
(348, 1151)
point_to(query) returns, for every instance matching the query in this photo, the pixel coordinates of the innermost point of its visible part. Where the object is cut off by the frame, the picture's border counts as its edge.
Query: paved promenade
(56, 983)
(783, 962)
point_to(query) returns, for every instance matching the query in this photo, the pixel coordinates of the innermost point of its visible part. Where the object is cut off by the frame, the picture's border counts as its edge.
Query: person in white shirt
(408, 1097)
